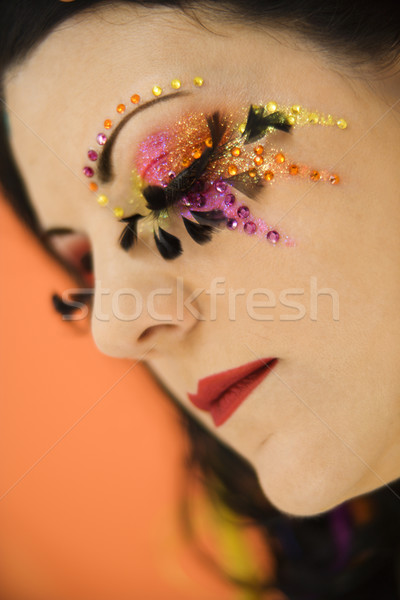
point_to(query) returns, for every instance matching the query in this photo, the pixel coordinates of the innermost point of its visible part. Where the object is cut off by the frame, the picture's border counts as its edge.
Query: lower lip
(230, 400)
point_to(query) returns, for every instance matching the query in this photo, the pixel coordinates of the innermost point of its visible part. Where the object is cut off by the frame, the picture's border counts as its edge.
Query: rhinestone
(268, 175)
(315, 176)
(333, 179)
(198, 81)
(220, 187)
(92, 155)
(293, 169)
(88, 171)
(175, 84)
(250, 227)
(231, 223)
(273, 237)
(232, 170)
(135, 99)
(118, 212)
(101, 139)
(102, 200)
(108, 123)
(341, 123)
(157, 90)
(280, 158)
(229, 199)
(243, 212)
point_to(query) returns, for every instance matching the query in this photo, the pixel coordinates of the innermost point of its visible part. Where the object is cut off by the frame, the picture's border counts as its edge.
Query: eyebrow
(105, 169)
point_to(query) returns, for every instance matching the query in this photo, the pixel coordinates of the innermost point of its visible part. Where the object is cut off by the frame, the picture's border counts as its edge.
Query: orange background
(90, 457)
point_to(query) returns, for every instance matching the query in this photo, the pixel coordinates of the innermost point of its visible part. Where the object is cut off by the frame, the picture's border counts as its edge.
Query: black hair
(355, 35)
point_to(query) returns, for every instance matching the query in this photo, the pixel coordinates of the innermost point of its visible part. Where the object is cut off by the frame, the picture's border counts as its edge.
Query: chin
(297, 485)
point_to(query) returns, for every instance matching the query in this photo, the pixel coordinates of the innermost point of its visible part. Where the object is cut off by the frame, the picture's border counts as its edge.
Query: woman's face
(324, 425)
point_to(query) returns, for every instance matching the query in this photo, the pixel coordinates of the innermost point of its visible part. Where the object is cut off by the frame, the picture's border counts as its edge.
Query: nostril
(150, 331)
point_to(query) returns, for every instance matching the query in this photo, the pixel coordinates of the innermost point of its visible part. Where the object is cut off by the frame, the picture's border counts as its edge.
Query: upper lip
(210, 389)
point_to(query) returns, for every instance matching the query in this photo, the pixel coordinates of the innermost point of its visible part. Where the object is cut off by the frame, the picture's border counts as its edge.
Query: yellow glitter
(341, 123)
(232, 170)
(235, 151)
(175, 84)
(102, 200)
(296, 108)
(268, 175)
(271, 107)
(157, 90)
(198, 81)
(118, 212)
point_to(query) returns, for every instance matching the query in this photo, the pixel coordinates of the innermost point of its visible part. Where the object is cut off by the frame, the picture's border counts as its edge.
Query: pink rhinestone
(250, 227)
(229, 199)
(243, 212)
(88, 171)
(101, 139)
(92, 154)
(231, 223)
(220, 186)
(273, 236)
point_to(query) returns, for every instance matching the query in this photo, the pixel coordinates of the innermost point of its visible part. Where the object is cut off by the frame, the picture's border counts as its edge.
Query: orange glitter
(259, 149)
(258, 160)
(280, 158)
(232, 170)
(235, 151)
(293, 169)
(253, 172)
(268, 175)
(108, 123)
(135, 99)
(121, 108)
(334, 179)
(93, 186)
(315, 176)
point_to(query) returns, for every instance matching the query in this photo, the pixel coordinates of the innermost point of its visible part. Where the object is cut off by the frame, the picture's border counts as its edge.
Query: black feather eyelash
(160, 199)
(65, 309)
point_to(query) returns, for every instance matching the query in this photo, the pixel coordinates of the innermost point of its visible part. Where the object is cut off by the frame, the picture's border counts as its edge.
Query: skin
(324, 426)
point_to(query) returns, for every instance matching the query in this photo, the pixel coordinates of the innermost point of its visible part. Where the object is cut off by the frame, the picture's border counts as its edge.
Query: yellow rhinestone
(175, 84)
(329, 120)
(118, 212)
(102, 200)
(271, 107)
(198, 81)
(341, 123)
(291, 119)
(232, 170)
(296, 108)
(242, 127)
(313, 118)
(157, 90)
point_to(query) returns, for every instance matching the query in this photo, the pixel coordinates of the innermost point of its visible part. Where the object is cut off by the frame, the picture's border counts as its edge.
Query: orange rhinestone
(315, 176)
(268, 175)
(258, 160)
(108, 123)
(235, 151)
(196, 153)
(93, 186)
(280, 158)
(333, 179)
(253, 172)
(135, 99)
(259, 149)
(121, 108)
(186, 161)
(293, 169)
(209, 142)
(232, 170)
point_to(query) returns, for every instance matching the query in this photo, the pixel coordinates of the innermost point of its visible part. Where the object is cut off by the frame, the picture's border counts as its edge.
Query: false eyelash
(168, 245)
(65, 308)
(160, 199)
(128, 236)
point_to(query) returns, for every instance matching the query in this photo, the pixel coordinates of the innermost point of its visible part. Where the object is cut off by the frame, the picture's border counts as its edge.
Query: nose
(139, 305)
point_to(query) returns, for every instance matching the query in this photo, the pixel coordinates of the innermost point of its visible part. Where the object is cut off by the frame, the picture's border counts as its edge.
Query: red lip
(223, 393)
